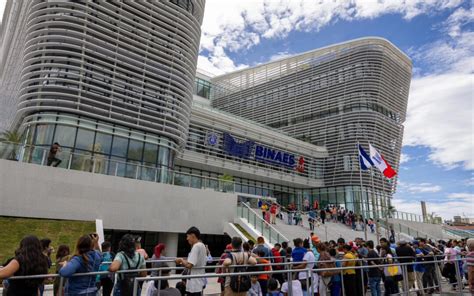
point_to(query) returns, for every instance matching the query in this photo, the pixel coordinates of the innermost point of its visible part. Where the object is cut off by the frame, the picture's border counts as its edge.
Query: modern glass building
(115, 84)
(337, 96)
(109, 79)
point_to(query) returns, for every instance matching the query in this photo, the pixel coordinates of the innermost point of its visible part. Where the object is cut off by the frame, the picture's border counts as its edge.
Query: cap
(315, 239)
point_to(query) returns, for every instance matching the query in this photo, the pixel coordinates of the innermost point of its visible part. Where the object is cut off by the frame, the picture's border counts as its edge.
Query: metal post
(290, 281)
(438, 275)
(458, 276)
(93, 165)
(156, 174)
(159, 283)
(60, 288)
(135, 287)
(70, 162)
(310, 275)
(342, 283)
(136, 173)
(44, 157)
(362, 278)
(116, 168)
(406, 286)
(307, 282)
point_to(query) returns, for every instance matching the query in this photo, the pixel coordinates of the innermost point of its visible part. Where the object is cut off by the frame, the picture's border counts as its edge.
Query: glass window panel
(65, 135)
(135, 150)
(163, 156)
(196, 182)
(132, 169)
(119, 146)
(150, 153)
(84, 139)
(116, 166)
(44, 134)
(103, 142)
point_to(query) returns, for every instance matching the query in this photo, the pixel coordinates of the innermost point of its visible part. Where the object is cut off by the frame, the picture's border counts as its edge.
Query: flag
(380, 163)
(364, 160)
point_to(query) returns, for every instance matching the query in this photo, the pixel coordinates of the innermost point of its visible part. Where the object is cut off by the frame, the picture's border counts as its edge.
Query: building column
(170, 239)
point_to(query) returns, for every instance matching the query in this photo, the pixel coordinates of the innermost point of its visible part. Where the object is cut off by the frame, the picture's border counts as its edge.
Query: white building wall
(29, 190)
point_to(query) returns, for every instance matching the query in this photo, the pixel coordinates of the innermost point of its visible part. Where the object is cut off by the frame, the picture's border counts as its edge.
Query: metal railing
(271, 234)
(459, 233)
(98, 164)
(288, 270)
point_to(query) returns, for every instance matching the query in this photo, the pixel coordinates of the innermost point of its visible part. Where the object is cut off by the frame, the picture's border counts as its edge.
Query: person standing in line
(374, 273)
(349, 277)
(138, 247)
(62, 256)
(322, 215)
(197, 259)
(408, 254)
(264, 209)
(235, 257)
(311, 219)
(106, 280)
(53, 151)
(470, 264)
(29, 260)
(86, 259)
(127, 259)
(273, 212)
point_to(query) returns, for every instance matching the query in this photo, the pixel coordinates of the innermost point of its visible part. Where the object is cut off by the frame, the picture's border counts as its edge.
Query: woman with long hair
(29, 260)
(127, 259)
(62, 256)
(86, 259)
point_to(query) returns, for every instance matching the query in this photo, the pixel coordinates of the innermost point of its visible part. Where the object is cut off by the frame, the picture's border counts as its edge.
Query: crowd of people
(308, 266)
(315, 215)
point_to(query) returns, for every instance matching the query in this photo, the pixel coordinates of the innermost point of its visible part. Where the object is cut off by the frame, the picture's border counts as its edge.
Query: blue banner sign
(261, 153)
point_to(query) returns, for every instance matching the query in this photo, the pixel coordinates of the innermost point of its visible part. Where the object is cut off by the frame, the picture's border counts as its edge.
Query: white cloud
(404, 158)
(462, 196)
(444, 209)
(423, 188)
(236, 26)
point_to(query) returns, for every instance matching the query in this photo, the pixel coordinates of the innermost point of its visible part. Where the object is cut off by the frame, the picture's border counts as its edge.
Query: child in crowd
(273, 288)
(255, 289)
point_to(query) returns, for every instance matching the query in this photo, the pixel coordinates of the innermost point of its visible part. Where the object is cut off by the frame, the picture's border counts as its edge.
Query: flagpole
(377, 230)
(361, 195)
(386, 207)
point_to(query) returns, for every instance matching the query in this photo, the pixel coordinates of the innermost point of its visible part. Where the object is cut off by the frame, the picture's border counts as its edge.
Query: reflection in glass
(84, 139)
(44, 134)
(150, 153)
(65, 135)
(103, 142)
(135, 150)
(119, 146)
(196, 182)
(163, 156)
(132, 169)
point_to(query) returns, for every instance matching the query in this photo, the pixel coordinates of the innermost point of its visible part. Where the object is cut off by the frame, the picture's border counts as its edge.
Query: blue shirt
(419, 267)
(298, 253)
(81, 284)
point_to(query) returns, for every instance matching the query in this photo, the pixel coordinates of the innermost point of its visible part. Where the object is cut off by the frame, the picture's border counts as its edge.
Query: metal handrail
(283, 238)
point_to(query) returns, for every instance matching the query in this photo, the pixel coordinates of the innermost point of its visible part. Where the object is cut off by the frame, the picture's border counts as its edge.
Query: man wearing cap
(314, 246)
(407, 255)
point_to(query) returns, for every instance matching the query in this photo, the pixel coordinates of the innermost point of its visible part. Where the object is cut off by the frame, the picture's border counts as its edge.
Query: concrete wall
(433, 230)
(30, 190)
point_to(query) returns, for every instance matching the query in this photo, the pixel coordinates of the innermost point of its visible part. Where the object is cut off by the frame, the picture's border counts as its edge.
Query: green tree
(8, 149)
(226, 182)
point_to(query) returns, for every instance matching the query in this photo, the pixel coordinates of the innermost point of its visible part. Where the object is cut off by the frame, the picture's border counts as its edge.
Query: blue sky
(438, 152)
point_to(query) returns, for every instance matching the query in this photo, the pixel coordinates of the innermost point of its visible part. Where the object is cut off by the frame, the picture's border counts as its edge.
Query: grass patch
(244, 232)
(61, 232)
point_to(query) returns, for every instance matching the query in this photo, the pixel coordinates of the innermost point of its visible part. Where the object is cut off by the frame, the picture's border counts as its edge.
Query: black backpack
(240, 283)
(127, 279)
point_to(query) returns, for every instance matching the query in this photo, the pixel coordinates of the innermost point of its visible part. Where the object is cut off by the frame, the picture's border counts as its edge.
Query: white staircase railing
(272, 235)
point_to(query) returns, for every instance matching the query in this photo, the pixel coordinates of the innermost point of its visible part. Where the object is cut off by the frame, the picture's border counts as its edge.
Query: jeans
(374, 284)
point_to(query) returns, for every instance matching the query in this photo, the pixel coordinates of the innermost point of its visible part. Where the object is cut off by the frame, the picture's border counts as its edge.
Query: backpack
(127, 279)
(240, 283)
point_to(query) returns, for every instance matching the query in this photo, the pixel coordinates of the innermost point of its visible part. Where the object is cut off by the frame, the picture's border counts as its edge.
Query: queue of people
(360, 259)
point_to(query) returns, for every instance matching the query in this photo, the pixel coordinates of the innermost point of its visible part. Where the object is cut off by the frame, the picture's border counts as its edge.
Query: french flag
(364, 159)
(380, 163)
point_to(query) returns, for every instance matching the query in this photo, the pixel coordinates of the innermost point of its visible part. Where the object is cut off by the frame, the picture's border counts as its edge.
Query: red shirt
(273, 209)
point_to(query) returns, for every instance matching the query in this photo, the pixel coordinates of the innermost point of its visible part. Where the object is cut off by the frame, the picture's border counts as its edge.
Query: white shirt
(310, 258)
(295, 288)
(198, 258)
